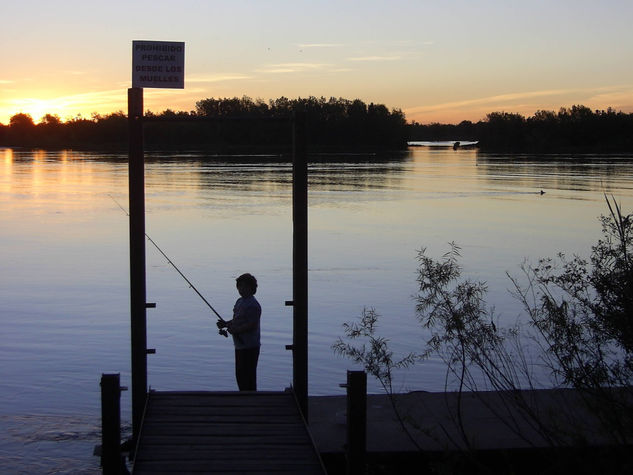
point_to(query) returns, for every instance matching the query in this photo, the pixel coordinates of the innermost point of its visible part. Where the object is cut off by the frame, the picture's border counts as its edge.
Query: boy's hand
(221, 324)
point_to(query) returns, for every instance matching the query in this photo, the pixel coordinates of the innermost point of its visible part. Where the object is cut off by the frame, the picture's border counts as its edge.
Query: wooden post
(356, 422)
(137, 257)
(300, 263)
(110, 424)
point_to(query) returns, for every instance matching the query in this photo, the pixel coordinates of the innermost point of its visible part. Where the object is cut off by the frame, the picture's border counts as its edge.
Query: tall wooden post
(300, 263)
(137, 257)
(356, 422)
(111, 424)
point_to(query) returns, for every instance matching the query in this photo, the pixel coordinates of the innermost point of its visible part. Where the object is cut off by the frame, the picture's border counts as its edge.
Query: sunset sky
(438, 61)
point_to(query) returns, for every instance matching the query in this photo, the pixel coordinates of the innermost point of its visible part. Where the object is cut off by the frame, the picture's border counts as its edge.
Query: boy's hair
(249, 280)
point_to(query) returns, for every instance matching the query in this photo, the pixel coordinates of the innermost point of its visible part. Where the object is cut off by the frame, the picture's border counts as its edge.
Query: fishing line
(174, 266)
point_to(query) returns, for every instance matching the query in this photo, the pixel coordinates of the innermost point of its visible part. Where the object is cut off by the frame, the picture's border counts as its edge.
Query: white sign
(158, 64)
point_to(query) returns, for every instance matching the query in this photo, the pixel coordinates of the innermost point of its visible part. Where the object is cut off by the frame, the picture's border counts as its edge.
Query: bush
(580, 323)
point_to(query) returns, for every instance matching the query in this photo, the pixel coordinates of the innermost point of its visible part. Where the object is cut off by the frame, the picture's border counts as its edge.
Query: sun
(38, 108)
(66, 106)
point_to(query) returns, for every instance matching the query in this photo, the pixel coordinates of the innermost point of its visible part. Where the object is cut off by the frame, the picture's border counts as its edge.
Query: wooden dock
(225, 432)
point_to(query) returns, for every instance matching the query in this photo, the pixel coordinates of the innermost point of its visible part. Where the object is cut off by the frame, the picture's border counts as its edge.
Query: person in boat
(245, 330)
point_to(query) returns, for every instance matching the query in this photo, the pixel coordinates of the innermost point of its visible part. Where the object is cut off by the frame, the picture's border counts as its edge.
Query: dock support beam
(111, 460)
(137, 257)
(300, 263)
(356, 422)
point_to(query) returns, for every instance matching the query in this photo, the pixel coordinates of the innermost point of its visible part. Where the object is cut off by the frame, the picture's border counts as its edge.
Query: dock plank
(224, 432)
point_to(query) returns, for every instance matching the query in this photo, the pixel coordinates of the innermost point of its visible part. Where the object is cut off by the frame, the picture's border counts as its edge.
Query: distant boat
(446, 143)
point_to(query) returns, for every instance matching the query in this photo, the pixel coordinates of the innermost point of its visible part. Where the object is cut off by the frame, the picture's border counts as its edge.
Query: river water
(65, 286)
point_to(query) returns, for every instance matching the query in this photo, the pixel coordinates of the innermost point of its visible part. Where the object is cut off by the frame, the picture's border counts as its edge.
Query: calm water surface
(65, 287)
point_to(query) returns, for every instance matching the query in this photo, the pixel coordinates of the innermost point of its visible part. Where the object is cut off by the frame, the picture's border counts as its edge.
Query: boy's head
(246, 284)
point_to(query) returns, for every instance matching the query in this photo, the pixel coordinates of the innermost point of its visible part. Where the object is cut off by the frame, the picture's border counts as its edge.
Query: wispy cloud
(95, 98)
(103, 102)
(216, 78)
(320, 45)
(6, 81)
(292, 67)
(74, 72)
(375, 58)
(497, 99)
(618, 96)
(100, 100)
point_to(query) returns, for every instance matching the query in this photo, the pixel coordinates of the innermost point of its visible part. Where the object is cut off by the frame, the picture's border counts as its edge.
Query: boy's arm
(247, 321)
(235, 329)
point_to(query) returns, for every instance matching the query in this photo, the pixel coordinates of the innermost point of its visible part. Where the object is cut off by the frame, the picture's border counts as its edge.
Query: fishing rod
(169, 261)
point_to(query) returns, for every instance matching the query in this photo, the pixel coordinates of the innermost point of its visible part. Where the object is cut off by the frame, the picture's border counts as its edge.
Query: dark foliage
(109, 132)
(333, 125)
(226, 125)
(580, 328)
(578, 129)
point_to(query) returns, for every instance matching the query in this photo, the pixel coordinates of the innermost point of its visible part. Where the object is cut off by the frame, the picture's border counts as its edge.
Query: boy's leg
(246, 368)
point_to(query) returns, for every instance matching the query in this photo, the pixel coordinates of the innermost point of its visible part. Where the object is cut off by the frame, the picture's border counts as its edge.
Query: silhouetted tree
(21, 130)
(49, 133)
(21, 121)
(575, 129)
(336, 124)
(339, 124)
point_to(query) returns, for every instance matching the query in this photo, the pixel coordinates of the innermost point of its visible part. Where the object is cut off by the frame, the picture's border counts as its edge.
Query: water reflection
(8, 156)
(414, 170)
(63, 245)
(558, 172)
(254, 174)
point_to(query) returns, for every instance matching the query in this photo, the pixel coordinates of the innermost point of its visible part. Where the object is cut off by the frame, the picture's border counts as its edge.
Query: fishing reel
(222, 328)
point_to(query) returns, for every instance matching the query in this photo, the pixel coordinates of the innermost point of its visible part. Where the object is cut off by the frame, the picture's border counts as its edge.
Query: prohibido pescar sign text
(158, 64)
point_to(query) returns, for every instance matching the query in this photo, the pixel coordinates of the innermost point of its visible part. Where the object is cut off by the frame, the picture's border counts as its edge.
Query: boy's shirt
(247, 310)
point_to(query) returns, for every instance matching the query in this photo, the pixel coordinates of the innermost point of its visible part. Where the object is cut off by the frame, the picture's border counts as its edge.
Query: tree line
(225, 125)
(334, 124)
(575, 129)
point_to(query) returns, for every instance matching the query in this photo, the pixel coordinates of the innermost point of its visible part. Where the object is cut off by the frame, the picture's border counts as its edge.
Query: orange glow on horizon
(66, 107)
(105, 102)
(36, 108)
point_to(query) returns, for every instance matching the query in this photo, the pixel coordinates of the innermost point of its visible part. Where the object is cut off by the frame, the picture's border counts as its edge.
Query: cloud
(95, 98)
(74, 72)
(216, 78)
(576, 95)
(6, 81)
(375, 58)
(319, 45)
(497, 99)
(292, 67)
(527, 102)
(69, 105)
(617, 96)
(84, 99)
